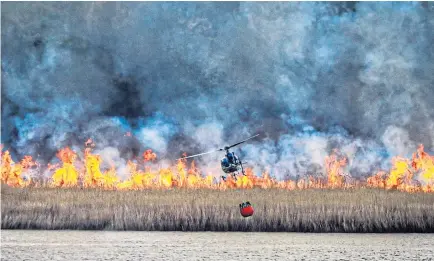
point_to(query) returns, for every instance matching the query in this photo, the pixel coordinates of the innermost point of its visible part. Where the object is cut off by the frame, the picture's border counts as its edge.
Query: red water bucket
(246, 209)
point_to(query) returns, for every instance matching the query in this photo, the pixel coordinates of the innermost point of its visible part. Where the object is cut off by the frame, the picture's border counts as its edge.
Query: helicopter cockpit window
(225, 162)
(230, 157)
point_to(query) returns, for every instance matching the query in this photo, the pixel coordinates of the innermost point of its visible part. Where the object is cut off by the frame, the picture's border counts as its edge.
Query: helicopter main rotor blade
(228, 147)
(225, 148)
(200, 154)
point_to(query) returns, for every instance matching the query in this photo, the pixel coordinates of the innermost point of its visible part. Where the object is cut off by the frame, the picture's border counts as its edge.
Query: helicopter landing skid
(234, 176)
(242, 169)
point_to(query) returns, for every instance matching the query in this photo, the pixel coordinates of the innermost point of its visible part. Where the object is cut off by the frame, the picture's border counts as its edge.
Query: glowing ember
(149, 155)
(411, 175)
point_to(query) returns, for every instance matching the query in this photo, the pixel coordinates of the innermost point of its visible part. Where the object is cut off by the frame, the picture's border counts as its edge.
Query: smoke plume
(194, 76)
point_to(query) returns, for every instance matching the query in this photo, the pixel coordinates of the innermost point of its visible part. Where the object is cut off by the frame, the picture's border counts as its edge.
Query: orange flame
(67, 175)
(334, 167)
(11, 172)
(416, 174)
(404, 171)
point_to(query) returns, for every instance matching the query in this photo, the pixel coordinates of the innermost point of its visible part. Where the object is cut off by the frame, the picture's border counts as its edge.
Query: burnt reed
(358, 210)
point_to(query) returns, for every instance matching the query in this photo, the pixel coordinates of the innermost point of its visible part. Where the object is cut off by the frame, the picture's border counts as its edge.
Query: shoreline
(201, 210)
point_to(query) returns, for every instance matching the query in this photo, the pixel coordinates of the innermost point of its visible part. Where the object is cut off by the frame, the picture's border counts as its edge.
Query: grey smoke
(192, 76)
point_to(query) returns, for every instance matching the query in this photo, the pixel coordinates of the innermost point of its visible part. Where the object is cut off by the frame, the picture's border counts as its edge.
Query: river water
(101, 245)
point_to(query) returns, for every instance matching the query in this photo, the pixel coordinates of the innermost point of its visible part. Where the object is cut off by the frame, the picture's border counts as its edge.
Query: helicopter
(230, 164)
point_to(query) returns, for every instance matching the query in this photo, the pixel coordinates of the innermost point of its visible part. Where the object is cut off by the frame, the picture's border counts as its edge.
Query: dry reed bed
(360, 210)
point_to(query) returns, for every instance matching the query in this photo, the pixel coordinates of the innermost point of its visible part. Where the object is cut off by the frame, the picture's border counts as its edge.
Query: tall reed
(358, 210)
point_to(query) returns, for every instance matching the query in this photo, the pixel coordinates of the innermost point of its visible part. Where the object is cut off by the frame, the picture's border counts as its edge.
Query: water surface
(101, 245)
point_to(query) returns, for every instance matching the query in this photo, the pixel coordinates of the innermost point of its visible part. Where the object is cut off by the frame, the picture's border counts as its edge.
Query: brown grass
(359, 210)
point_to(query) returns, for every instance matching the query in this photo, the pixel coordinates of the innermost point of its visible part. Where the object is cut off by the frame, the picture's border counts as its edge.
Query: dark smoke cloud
(190, 76)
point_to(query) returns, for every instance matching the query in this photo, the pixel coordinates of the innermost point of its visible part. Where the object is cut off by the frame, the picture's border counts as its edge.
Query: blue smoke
(191, 76)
